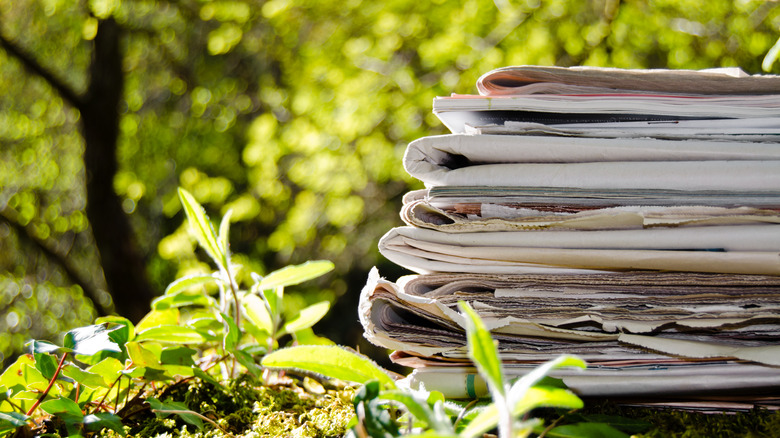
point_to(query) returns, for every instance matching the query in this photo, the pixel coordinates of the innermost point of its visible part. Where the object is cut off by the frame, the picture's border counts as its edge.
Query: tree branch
(89, 290)
(35, 67)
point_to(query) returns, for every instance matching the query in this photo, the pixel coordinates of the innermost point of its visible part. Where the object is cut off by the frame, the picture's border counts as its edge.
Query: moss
(293, 411)
(154, 427)
(756, 423)
(245, 408)
(238, 421)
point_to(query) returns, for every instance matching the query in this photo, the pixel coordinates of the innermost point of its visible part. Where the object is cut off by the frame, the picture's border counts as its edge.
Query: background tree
(293, 114)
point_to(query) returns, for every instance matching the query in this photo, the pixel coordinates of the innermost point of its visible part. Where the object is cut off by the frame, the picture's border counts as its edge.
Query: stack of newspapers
(630, 217)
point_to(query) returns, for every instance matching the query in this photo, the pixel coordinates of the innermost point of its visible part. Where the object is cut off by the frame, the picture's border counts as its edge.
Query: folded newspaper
(630, 217)
(465, 212)
(736, 249)
(531, 79)
(642, 334)
(556, 95)
(552, 161)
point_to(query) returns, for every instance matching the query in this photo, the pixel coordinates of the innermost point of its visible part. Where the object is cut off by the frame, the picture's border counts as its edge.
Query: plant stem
(109, 390)
(118, 387)
(505, 420)
(553, 424)
(463, 412)
(234, 290)
(201, 416)
(48, 388)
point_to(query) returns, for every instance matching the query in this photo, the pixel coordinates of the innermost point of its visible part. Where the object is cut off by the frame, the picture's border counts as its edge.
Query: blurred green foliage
(295, 114)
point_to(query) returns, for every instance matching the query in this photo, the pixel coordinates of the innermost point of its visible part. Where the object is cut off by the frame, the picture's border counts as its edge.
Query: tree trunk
(121, 258)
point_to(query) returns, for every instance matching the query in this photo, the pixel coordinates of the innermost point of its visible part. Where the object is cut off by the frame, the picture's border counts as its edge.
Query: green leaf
(120, 326)
(376, 419)
(182, 299)
(10, 421)
(22, 375)
(206, 324)
(257, 312)
(173, 370)
(43, 347)
(64, 408)
(178, 355)
(201, 227)
(141, 356)
(171, 334)
(486, 420)
(273, 299)
(261, 336)
(538, 396)
(307, 317)
(101, 420)
(150, 374)
(122, 331)
(482, 349)
(184, 283)
(46, 364)
(248, 361)
(156, 318)
(628, 425)
(86, 378)
(307, 337)
(432, 434)
(771, 56)
(90, 340)
(108, 368)
(170, 408)
(202, 375)
(518, 389)
(585, 430)
(254, 349)
(232, 334)
(552, 382)
(535, 397)
(331, 361)
(224, 235)
(418, 406)
(295, 274)
(24, 400)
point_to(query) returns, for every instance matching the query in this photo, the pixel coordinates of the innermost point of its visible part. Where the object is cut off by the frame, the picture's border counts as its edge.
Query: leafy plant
(106, 373)
(387, 409)
(258, 312)
(101, 371)
(60, 388)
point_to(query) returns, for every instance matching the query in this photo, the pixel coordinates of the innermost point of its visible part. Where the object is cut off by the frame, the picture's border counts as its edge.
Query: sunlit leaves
(258, 313)
(164, 409)
(330, 361)
(292, 114)
(171, 334)
(483, 349)
(201, 228)
(307, 317)
(191, 281)
(11, 420)
(64, 408)
(292, 275)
